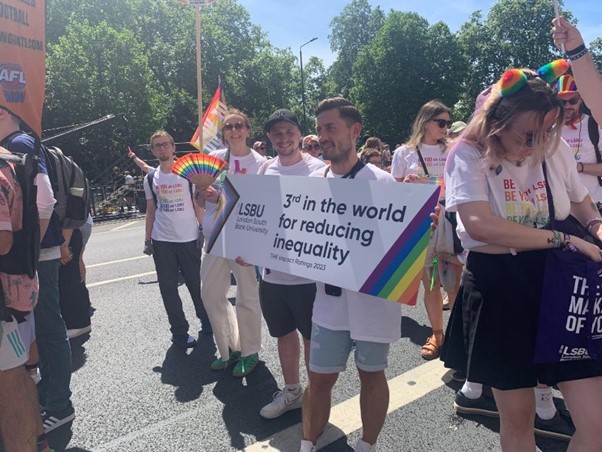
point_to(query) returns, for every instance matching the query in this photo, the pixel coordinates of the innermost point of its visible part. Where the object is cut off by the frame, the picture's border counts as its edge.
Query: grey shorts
(330, 350)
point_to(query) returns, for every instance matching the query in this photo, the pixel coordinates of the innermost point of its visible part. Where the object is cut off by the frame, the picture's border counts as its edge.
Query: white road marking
(345, 417)
(124, 278)
(123, 226)
(94, 233)
(117, 261)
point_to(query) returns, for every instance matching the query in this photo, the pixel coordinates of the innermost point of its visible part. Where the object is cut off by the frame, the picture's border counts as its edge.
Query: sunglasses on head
(442, 123)
(312, 147)
(571, 101)
(237, 125)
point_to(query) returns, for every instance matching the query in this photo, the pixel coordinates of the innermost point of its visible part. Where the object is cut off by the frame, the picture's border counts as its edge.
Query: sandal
(430, 350)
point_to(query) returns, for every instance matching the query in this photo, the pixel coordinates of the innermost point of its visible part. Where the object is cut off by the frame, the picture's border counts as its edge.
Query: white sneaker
(284, 401)
(78, 331)
(363, 446)
(307, 446)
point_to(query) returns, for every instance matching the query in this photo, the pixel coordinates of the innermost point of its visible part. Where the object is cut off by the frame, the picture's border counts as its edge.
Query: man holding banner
(342, 317)
(287, 300)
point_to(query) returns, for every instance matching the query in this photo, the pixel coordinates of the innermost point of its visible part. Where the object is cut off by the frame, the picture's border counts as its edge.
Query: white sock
(472, 390)
(292, 388)
(363, 446)
(307, 446)
(544, 403)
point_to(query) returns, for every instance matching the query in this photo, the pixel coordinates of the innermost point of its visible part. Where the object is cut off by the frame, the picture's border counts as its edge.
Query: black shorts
(287, 308)
(492, 329)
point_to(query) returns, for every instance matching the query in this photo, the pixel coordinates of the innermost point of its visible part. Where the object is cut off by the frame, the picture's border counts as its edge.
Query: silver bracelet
(578, 55)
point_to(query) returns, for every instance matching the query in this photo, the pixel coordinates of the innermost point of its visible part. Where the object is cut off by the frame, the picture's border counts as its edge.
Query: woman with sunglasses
(496, 183)
(237, 331)
(422, 160)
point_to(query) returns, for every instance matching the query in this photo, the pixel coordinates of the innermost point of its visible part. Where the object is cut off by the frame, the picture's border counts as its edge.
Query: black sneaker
(53, 420)
(559, 427)
(484, 405)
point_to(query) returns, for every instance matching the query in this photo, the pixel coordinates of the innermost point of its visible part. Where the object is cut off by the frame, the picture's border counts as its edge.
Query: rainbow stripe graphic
(198, 168)
(397, 276)
(227, 200)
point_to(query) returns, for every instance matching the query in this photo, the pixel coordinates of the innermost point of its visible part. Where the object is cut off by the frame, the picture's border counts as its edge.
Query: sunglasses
(237, 125)
(312, 147)
(164, 145)
(571, 101)
(443, 123)
(529, 137)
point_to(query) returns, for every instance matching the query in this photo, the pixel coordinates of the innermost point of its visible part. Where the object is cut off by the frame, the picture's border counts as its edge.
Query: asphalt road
(134, 391)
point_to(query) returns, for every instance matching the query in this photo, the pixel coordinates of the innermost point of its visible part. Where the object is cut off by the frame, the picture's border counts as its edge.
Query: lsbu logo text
(13, 82)
(573, 353)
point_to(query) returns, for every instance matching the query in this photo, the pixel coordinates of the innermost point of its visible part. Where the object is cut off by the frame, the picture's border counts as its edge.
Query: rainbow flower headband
(514, 79)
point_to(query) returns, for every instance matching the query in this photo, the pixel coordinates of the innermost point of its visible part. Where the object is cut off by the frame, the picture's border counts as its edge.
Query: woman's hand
(66, 255)
(211, 194)
(589, 249)
(414, 179)
(566, 33)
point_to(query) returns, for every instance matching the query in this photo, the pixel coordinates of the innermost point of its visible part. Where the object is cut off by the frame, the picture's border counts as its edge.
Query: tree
(407, 64)
(352, 30)
(515, 34)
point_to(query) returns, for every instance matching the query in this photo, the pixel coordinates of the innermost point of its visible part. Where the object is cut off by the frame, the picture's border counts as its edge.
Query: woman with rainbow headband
(499, 176)
(422, 160)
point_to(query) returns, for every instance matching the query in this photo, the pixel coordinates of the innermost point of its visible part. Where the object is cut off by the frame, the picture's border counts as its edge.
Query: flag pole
(199, 79)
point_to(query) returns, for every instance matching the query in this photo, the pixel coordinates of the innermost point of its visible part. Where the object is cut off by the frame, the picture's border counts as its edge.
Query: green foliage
(407, 64)
(352, 30)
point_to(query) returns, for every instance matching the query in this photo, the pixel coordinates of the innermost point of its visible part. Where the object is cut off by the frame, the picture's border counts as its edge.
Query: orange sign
(23, 60)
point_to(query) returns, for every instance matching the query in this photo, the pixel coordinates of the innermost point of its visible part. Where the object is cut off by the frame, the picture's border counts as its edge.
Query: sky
(290, 23)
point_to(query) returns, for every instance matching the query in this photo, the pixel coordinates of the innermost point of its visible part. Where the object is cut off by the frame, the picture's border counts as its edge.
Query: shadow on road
(243, 398)
(78, 352)
(188, 372)
(414, 331)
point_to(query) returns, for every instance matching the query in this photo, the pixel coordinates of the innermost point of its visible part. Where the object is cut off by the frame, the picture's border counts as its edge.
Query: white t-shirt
(584, 152)
(175, 220)
(516, 193)
(406, 161)
(248, 164)
(304, 167)
(367, 318)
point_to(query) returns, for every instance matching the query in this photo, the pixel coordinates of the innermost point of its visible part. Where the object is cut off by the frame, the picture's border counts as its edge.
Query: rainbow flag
(397, 276)
(212, 122)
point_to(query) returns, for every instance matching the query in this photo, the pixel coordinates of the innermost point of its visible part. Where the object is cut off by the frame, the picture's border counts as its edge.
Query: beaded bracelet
(557, 239)
(590, 223)
(576, 56)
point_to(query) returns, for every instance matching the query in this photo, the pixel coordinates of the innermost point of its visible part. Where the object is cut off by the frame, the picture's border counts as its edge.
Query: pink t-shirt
(20, 291)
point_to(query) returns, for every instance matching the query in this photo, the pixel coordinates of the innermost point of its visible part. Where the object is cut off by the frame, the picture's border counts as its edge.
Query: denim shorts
(330, 351)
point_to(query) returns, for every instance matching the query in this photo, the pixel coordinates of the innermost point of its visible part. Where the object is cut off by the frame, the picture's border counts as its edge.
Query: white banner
(366, 236)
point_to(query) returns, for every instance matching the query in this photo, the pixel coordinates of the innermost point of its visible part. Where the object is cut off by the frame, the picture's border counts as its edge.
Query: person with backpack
(582, 134)
(20, 420)
(51, 333)
(173, 238)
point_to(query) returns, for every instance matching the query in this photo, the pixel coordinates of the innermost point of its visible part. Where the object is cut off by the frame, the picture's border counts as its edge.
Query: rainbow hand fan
(198, 168)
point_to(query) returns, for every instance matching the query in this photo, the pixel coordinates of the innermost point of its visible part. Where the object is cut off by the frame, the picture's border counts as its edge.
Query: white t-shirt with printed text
(516, 193)
(406, 161)
(175, 219)
(584, 152)
(367, 318)
(304, 167)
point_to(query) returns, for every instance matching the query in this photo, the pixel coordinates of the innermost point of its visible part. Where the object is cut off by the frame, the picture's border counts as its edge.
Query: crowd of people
(524, 162)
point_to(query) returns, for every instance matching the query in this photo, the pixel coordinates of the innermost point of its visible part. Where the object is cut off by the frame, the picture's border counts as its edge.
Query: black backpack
(71, 189)
(22, 259)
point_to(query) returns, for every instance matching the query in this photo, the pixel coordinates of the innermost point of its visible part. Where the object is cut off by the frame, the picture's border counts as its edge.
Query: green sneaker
(220, 364)
(245, 365)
